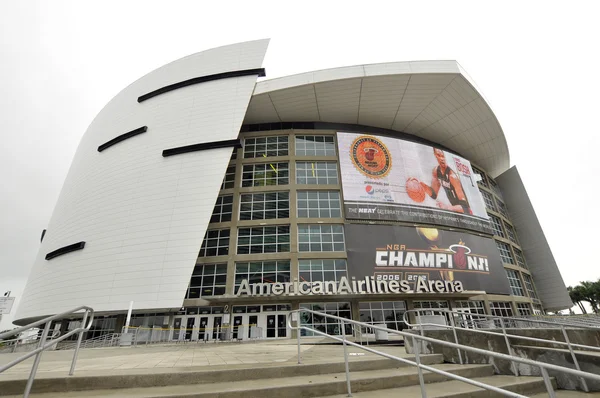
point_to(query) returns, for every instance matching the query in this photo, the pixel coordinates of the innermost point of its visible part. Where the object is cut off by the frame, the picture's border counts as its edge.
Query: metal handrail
(88, 312)
(507, 336)
(544, 367)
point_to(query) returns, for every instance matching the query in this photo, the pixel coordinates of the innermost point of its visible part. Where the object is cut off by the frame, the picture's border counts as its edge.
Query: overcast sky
(535, 62)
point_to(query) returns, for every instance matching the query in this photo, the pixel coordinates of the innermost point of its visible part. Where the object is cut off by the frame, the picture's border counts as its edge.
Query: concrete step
(290, 387)
(457, 389)
(185, 376)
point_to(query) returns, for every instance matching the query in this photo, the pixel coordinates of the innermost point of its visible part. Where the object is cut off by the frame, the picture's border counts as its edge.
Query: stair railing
(43, 345)
(455, 326)
(294, 316)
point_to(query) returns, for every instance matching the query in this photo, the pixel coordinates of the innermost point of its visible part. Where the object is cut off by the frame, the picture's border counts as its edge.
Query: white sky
(536, 63)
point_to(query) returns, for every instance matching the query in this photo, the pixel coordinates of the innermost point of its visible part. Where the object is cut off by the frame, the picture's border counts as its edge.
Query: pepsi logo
(369, 190)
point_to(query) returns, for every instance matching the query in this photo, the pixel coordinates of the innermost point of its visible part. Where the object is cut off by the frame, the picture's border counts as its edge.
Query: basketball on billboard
(414, 190)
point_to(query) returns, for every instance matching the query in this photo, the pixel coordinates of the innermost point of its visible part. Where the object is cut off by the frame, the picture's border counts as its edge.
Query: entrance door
(281, 325)
(271, 326)
(217, 327)
(203, 329)
(176, 328)
(252, 322)
(237, 332)
(189, 328)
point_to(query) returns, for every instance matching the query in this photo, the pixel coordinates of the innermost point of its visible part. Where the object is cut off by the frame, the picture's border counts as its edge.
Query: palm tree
(577, 297)
(591, 294)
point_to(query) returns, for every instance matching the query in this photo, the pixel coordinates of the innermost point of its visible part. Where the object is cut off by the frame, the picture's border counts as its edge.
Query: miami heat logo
(460, 254)
(371, 157)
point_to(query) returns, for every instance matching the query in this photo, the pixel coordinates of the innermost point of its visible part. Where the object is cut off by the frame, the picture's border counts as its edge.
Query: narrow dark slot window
(122, 137)
(202, 147)
(65, 250)
(260, 72)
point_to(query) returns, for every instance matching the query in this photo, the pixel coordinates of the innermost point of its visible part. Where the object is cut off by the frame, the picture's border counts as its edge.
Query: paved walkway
(184, 357)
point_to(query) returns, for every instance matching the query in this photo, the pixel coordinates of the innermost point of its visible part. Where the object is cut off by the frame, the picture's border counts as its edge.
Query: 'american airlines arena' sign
(368, 285)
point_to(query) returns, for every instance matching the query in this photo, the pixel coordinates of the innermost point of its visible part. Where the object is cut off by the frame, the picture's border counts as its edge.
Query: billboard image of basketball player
(386, 178)
(443, 176)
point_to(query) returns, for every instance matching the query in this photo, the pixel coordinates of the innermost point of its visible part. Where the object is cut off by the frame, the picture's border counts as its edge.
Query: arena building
(207, 198)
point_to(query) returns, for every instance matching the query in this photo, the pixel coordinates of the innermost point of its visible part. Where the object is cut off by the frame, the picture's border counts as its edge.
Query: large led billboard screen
(391, 252)
(386, 178)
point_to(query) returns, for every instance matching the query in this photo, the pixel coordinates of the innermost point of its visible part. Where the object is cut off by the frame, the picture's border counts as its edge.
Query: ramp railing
(44, 344)
(294, 316)
(480, 323)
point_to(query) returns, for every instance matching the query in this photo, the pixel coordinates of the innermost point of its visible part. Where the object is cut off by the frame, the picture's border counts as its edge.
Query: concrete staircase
(369, 378)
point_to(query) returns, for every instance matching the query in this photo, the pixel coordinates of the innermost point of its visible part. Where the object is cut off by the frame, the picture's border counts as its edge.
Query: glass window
(262, 206)
(223, 209)
(524, 309)
(215, 243)
(321, 238)
(315, 145)
(323, 323)
(389, 313)
(316, 173)
(510, 231)
(470, 306)
(260, 175)
(321, 270)
(516, 288)
(229, 179)
(537, 310)
(495, 187)
(529, 286)
(262, 272)
(496, 226)
(266, 146)
(520, 258)
(488, 199)
(319, 204)
(501, 308)
(482, 174)
(207, 280)
(502, 208)
(505, 254)
(273, 239)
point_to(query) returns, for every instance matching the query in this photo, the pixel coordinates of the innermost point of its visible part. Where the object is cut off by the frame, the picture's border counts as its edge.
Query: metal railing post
(548, 383)
(455, 338)
(419, 369)
(74, 361)
(510, 350)
(575, 361)
(298, 337)
(37, 359)
(346, 362)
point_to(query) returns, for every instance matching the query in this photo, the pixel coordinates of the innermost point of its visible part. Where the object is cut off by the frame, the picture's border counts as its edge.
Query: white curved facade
(142, 215)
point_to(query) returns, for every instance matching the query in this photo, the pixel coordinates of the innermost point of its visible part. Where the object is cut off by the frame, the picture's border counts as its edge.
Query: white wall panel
(143, 216)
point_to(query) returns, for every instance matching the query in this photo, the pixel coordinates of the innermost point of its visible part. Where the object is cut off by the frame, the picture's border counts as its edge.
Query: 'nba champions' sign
(386, 178)
(413, 254)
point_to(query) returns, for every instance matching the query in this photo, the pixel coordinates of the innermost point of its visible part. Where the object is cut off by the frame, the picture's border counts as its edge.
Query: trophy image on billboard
(432, 237)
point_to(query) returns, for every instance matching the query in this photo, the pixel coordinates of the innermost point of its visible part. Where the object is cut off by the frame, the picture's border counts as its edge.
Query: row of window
(516, 287)
(274, 205)
(270, 174)
(274, 239)
(210, 279)
(507, 257)
(306, 145)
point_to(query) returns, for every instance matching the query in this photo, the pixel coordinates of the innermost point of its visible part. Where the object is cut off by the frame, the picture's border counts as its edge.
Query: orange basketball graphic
(414, 190)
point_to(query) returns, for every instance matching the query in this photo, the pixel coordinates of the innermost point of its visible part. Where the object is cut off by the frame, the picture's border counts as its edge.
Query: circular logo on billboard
(371, 157)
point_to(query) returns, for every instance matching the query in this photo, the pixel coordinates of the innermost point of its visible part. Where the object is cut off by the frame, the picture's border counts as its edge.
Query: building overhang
(434, 100)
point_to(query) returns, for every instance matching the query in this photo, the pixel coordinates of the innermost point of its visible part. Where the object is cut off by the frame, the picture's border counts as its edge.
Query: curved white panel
(143, 216)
